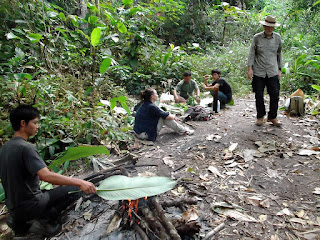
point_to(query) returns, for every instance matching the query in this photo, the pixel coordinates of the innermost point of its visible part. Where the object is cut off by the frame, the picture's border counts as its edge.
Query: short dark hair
(187, 74)
(146, 94)
(217, 71)
(22, 112)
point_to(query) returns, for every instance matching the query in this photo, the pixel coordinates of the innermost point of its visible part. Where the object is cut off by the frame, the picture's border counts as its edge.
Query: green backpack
(296, 107)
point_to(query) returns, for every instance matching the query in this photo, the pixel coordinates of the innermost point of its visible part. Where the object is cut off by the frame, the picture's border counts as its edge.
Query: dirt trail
(265, 194)
(253, 179)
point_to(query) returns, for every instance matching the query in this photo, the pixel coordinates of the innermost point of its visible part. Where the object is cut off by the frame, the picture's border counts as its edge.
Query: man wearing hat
(264, 69)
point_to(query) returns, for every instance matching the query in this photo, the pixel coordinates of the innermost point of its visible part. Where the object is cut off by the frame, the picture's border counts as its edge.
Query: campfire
(147, 217)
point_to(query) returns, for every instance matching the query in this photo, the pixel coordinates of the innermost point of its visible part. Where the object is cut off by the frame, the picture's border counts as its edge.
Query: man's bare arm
(57, 179)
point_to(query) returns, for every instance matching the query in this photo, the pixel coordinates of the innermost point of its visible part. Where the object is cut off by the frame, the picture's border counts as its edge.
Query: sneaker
(44, 229)
(275, 122)
(259, 122)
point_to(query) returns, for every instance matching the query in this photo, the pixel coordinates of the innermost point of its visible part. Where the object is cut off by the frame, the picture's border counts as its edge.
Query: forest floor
(253, 182)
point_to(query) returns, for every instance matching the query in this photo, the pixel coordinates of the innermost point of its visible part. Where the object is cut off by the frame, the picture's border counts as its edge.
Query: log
(179, 203)
(165, 221)
(141, 233)
(153, 223)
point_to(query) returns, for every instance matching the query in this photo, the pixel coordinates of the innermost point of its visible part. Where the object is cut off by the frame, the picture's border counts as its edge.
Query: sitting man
(186, 87)
(220, 89)
(21, 167)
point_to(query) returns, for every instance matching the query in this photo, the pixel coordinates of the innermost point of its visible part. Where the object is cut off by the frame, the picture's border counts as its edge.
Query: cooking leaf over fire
(120, 187)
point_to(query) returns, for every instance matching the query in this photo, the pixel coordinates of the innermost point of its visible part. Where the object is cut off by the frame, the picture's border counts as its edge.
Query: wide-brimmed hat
(270, 21)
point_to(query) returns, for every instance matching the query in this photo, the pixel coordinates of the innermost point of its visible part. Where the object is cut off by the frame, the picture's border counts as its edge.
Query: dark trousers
(273, 89)
(218, 95)
(59, 200)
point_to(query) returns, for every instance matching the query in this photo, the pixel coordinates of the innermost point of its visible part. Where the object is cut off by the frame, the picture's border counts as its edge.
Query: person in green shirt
(185, 89)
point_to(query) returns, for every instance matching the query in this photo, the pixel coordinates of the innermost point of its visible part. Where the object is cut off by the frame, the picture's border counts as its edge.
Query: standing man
(21, 167)
(185, 89)
(220, 89)
(264, 69)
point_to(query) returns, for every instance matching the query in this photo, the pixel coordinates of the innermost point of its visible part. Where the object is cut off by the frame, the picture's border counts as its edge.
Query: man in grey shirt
(264, 69)
(185, 88)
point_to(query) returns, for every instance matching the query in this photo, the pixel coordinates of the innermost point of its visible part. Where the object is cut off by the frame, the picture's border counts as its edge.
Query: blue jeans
(221, 97)
(273, 89)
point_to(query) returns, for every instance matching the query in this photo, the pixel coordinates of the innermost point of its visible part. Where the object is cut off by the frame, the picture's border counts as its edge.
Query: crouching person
(220, 89)
(150, 119)
(21, 167)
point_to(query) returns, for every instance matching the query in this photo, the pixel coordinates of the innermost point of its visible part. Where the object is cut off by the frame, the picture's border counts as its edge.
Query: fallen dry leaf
(168, 161)
(234, 214)
(190, 215)
(233, 147)
(298, 220)
(263, 218)
(300, 214)
(215, 171)
(274, 237)
(316, 191)
(87, 215)
(265, 203)
(285, 211)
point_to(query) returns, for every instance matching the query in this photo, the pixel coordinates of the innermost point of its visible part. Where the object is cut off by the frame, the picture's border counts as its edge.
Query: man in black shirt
(21, 168)
(220, 89)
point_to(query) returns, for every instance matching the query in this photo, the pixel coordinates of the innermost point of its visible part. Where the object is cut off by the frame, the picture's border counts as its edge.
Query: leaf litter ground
(251, 182)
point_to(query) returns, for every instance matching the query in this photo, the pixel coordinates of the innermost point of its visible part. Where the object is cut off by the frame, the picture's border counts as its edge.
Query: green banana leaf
(74, 153)
(124, 188)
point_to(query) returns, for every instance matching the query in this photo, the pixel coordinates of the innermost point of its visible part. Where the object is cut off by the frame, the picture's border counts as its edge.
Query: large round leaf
(121, 187)
(105, 65)
(121, 27)
(95, 36)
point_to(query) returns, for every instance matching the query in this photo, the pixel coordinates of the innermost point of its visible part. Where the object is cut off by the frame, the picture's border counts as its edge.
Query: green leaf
(127, 2)
(105, 65)
(121, 187)
(95, 36)
(85, 35)
(62, 16)
(92, 19)
(88, 91)
(316, 87)
(231, 102)
(134, 10)
(121, 27)
(34, 37)
(1, 192)
(166, 57)
(316, 3)
(74, 153)
(10, 35)
(52, 14)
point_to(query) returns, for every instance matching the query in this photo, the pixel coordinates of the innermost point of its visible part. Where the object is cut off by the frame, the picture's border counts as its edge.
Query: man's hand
(87, 187)
(250, 73)
(206, 77)
(279, 74)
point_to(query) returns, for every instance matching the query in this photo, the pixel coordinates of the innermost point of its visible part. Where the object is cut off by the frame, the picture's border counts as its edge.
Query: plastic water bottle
(218, 106)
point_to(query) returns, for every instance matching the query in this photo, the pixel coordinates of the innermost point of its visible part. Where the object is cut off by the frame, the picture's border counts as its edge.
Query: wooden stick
(153, 223)
(179, 203)
(214, 231)
(138, 229)
(165, 221)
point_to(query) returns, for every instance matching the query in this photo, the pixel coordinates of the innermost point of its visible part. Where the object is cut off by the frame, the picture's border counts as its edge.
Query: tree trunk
(82, 8)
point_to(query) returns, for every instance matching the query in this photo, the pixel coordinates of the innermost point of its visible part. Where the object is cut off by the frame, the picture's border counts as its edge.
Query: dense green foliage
(66, 56)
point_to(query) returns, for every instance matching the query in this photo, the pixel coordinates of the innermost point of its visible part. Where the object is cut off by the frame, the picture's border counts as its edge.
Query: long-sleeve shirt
(265, 56)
